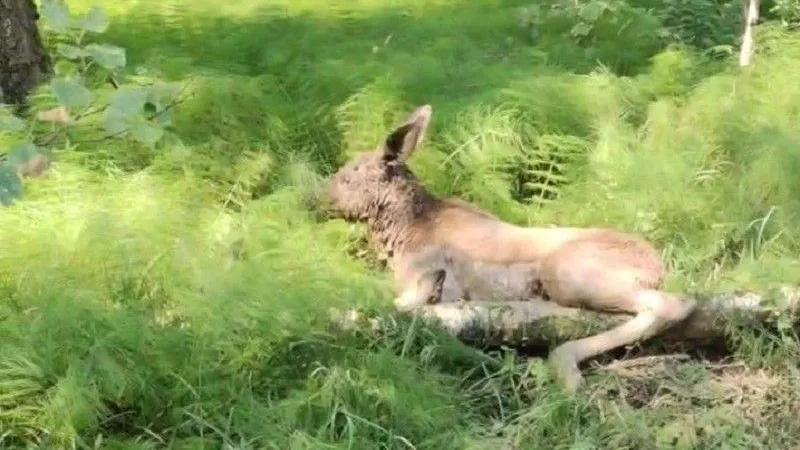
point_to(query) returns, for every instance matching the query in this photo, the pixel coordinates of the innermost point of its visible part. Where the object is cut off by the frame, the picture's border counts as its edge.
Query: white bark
(535, 323)
(748, 44)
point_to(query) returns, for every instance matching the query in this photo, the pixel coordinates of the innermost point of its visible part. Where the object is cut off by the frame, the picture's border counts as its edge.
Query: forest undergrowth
(179, 296)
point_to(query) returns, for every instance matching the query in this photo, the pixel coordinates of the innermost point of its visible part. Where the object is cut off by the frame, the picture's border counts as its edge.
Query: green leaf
(108, 56)
(10, 185)
(71, 93)
(160, 94)
(160, 90)
(150, 108)
(65, 67)
(21, 153)
(158, 113)
(147, 133)
(95, 20)
(70, 51)
(56, 14)
(128, 101)
(164, 117)
(10, 123)
(159, 97)
(124, 108)
(592, 11)
(581, 29)
(116, 123)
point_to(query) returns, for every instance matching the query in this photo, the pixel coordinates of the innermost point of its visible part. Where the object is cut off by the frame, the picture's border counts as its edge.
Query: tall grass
(180, 297)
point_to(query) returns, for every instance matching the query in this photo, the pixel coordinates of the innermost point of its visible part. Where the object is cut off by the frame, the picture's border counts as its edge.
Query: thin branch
(177, 100)
(51, 137)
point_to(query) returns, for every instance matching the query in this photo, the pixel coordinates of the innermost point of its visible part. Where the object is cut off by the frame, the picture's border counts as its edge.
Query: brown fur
(445, 250)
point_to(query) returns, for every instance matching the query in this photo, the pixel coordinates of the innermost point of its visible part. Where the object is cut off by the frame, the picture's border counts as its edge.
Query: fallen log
(542, 323)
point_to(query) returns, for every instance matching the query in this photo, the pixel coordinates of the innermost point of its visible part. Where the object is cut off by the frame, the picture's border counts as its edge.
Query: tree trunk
(536, 324)
(23, 60)
(748, 42)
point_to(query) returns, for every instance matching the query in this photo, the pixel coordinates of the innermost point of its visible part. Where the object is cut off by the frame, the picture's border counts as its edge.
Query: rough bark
(520, 324)
(23, 60)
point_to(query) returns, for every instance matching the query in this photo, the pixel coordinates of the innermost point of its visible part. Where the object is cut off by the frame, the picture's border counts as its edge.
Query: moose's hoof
(565, 364)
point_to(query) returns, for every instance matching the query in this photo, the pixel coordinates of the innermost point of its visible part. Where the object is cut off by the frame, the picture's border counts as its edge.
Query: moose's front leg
(425, 289)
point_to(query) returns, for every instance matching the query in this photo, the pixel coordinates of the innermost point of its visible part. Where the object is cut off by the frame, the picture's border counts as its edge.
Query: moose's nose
(317, 200)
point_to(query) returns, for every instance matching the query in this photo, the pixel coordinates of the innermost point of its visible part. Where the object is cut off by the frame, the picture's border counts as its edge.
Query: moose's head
(373, 180)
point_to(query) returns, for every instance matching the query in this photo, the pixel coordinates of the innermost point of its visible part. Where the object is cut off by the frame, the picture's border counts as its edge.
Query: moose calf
(445, 250)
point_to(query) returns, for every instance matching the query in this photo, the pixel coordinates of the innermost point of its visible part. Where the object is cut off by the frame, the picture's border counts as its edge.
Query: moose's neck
(395, 221)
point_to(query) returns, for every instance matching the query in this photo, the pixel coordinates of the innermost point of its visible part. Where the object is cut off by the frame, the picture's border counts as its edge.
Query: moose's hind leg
(614, 290)
(655, 312)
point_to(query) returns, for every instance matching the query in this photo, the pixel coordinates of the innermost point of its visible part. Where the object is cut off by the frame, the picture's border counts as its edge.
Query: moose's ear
(402, 142)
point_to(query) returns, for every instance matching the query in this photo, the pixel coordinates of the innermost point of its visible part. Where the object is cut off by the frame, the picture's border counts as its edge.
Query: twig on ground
(649, 361)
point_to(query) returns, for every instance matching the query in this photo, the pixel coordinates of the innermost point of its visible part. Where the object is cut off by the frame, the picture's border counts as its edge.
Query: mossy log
(529, 323)
(543, 324)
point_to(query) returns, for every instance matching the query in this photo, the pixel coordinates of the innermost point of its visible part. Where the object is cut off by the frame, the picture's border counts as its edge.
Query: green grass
(129, 322)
